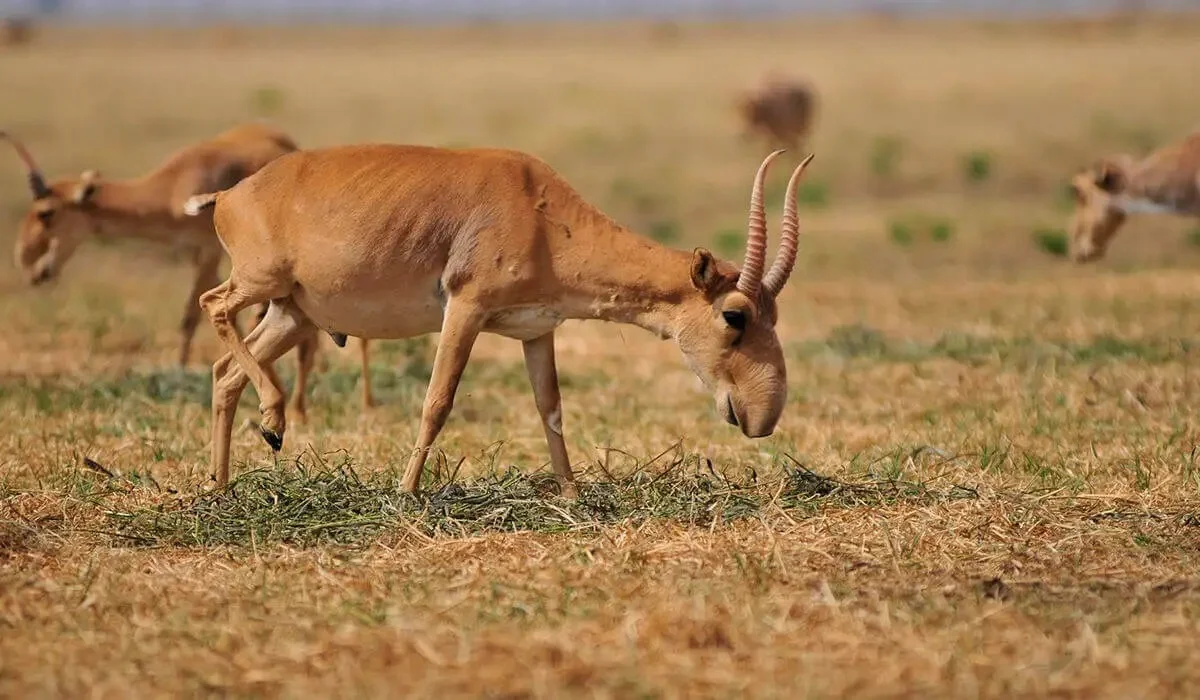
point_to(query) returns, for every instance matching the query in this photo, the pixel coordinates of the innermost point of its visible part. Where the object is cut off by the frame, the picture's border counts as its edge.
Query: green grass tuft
(813, 194)
(901, 233)
(267, 100)
(941, 231)
(977, 166)
(728, 243)
(1052, 241)
(665, 232)
(886, 152)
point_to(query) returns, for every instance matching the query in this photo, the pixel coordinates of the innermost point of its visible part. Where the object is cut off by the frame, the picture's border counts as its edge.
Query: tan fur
(781, 110)
(67, 211)
(1167, 181)
(383, 241)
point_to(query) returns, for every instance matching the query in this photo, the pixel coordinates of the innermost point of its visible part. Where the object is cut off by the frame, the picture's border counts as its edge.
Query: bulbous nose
(752, 424)
(761, 430)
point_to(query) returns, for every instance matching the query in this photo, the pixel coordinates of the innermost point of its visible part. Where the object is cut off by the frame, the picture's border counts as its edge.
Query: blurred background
(445, 10)
(946, 131)
(516, 10)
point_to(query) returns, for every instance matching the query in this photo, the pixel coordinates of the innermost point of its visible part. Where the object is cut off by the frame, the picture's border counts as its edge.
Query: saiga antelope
(65, 212)
(782, 110)
(1165, 182)
(383, 241)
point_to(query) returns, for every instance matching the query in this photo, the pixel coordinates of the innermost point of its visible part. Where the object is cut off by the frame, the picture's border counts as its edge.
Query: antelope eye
(735, 319)
(45, 215)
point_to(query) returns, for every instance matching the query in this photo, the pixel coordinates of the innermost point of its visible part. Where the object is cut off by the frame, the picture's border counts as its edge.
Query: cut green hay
(307, 506)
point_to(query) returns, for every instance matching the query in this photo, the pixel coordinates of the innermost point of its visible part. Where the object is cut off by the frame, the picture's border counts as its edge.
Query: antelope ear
(86, 188)
(704, 270)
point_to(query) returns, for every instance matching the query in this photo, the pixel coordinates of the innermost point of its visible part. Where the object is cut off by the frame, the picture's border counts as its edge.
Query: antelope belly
(524, 323)
(365, 313)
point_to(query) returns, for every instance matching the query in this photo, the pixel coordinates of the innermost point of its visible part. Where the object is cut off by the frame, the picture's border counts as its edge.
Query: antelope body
(1165, 182)
(384, 241)
(781, 109)
(67, 211)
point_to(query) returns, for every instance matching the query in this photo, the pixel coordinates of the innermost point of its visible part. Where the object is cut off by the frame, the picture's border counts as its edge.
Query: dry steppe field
(985, 482)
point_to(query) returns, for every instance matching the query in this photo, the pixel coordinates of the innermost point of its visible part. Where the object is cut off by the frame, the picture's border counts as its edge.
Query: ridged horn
(789, 236)
(756, 235)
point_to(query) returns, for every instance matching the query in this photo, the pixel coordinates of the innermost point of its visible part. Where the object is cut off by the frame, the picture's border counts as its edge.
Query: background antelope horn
(37, 183)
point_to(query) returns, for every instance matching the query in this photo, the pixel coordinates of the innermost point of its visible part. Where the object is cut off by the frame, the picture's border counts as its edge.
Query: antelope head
(58, 220)
(1097, 216)
(726, 329)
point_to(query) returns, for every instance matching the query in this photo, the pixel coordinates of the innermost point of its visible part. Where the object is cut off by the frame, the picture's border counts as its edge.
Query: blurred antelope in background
(1165, 182)
(65, 212)
(781, 110)
(16, 31)
(383, 241)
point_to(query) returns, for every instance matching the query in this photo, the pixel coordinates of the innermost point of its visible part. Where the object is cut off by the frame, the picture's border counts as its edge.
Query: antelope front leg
(543, 377)
(207, 264)
(459, 330)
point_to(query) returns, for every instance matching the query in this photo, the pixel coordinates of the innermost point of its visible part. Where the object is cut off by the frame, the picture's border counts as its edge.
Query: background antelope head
(727, 330)
(1096, 218)
(58, 220)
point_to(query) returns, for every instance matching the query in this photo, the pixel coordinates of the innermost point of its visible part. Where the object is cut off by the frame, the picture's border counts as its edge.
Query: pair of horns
(751, 278)
(37, 183)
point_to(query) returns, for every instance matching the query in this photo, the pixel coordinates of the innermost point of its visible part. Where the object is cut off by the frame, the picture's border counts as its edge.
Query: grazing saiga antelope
(781, 109)
(1165, 182)
(65, 212)
(385, 241)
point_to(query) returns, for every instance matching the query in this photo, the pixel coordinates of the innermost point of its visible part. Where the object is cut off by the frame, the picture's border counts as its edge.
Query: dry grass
(985, 482)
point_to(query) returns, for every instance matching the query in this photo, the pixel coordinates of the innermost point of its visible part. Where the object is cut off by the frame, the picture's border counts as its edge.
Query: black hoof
(274, 439)
(339, 339)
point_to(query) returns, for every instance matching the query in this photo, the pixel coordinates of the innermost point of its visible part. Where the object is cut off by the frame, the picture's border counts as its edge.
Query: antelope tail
(198, 203)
